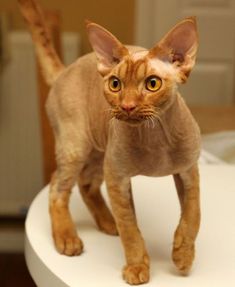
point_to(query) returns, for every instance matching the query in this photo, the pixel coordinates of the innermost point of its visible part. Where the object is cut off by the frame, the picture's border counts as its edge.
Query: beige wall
(116, 16)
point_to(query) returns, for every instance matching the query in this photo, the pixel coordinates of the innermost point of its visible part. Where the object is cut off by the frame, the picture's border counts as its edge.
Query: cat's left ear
(179, 47)
(109, 50)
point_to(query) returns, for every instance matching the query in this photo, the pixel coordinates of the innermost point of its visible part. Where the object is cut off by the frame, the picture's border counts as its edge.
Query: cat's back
(71, 91)
(81, 73)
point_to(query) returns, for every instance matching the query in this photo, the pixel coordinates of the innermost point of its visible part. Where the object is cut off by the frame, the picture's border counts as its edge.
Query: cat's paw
(183, 254)
(68, 243)
(135, 274)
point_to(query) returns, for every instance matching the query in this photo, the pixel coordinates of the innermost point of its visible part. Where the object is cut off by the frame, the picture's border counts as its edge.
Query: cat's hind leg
(187, 185)
(70, 160)
(89, 181)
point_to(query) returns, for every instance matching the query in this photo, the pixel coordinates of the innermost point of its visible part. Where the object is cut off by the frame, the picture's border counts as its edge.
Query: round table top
(158, 214)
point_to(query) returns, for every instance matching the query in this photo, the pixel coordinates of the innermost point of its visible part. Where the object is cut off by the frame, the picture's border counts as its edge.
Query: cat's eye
(114, 84)
(153, 83)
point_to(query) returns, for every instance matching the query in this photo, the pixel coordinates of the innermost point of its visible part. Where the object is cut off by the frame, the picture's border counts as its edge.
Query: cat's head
(139, 83)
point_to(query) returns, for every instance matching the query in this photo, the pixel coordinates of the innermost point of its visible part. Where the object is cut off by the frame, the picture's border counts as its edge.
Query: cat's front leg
(136, 270)
(187, 184)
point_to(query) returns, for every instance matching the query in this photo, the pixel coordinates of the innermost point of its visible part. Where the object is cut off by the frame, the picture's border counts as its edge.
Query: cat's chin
(131, 121)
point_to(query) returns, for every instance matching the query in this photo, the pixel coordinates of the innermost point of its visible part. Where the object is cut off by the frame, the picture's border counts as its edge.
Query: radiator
(21, 175)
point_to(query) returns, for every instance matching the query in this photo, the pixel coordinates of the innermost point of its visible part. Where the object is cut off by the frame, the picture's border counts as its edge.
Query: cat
(117, 113)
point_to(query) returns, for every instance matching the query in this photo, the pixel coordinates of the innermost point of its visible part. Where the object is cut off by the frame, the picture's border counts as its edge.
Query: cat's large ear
(108, 49)
(179, 47)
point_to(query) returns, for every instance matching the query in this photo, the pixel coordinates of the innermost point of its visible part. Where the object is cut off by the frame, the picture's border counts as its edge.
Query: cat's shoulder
(80, 68)
(87, 60)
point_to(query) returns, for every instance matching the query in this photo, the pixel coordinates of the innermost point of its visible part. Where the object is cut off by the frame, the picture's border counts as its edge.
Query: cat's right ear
(109, 50)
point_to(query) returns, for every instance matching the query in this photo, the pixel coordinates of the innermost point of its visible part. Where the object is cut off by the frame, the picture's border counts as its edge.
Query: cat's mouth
(136, 117)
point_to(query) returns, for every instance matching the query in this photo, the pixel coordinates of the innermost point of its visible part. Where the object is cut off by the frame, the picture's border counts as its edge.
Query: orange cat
(117, 113)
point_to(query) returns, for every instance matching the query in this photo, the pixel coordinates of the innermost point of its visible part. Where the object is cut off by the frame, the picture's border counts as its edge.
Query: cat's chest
(153, 160)
(157, 154)
(159, 161)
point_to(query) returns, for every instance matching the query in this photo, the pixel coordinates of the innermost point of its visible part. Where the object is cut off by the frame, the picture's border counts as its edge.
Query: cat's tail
(49, 61)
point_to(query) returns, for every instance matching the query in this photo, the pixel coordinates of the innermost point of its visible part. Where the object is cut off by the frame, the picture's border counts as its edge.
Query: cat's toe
(183, 257)
(136, 274)
(68, 245)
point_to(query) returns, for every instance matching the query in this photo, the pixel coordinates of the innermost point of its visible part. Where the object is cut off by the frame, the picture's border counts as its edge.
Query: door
(212, 80)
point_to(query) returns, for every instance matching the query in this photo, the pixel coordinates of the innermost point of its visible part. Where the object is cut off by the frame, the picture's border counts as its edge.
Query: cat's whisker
(146, 111)
(152, 121)
(147, 123)
(151, 116)
(156, 113)
(158, 117)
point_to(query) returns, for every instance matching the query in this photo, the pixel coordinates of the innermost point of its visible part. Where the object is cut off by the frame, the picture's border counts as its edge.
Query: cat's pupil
(115, 83)
(153, 83)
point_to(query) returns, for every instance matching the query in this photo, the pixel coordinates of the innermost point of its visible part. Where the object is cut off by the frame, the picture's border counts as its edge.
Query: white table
(158, 212)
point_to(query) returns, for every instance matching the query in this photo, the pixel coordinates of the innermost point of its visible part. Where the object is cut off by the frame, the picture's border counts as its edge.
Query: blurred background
(26, 143)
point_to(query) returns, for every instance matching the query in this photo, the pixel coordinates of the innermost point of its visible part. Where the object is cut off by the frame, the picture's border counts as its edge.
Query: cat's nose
(128, 107)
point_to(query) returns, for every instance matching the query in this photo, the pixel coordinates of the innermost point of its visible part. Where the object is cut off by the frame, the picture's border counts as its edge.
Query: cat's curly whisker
(147, 123)
(152, 121)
